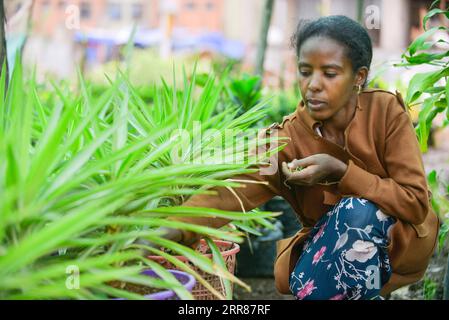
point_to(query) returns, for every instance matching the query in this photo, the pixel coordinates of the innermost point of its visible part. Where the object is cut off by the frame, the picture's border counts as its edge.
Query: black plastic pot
(260, 261)
(289, 220)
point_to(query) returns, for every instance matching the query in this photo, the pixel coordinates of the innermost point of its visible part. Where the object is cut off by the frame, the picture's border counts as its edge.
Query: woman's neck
(340, 121)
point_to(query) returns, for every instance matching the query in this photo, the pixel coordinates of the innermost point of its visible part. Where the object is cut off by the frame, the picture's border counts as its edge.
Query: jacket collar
(313, 124)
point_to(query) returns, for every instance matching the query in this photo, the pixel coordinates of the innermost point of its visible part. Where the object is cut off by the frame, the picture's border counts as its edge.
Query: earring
(359, 88)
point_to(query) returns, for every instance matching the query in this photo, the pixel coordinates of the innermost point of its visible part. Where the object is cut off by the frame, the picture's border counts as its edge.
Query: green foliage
(432, 85)
(83, 176)
(246, 91)
(282, 104)
(440, 204)
(433, 89)
(429, 289)
(146, 67)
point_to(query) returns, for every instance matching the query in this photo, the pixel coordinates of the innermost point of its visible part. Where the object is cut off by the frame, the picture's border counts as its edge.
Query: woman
(361, 191)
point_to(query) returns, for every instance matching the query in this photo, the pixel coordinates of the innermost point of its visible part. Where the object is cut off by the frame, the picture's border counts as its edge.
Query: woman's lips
(316, 105)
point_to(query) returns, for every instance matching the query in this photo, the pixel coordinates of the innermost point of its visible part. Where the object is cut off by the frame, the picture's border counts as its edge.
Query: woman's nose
(315, 83)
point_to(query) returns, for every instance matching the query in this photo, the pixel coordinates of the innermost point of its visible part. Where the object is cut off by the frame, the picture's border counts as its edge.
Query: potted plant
(213, 283)
(81, 179)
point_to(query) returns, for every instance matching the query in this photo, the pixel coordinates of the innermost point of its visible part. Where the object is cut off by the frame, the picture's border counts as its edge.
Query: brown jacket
(384, 166)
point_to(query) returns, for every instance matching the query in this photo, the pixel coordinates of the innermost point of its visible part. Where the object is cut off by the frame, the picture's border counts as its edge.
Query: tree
(360, 7)
(29, 26)
(3, 53)
(262, 47)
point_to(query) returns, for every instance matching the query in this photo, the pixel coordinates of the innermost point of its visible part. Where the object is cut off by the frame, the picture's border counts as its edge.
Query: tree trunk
(360, 11)
(29, 27)
(3, 53)
(262, 47)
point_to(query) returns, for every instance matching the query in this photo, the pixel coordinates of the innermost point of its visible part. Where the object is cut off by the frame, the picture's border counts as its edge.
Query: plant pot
(289, 220)
(260, 261)
(187, 280)
(228, 251)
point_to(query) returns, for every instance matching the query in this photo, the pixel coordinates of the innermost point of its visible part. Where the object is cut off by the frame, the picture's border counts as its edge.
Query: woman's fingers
(304, 162)
(308, 171)
(286, 170)
(303, 177)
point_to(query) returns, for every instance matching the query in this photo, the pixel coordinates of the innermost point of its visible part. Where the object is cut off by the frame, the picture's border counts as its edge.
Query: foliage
(429, 289)
(432, 87)
(440, 203)
(284, 103)
(147, 68)
(246, 91)
(432, 90)
(83, 177)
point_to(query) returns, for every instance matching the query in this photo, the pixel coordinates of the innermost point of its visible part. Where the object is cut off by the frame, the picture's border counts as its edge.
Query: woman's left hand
(318, 168)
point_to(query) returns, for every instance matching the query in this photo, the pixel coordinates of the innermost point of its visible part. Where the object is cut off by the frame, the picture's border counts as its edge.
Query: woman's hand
(318, 168)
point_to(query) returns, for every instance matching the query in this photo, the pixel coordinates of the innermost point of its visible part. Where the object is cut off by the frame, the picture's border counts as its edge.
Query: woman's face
(326, 78)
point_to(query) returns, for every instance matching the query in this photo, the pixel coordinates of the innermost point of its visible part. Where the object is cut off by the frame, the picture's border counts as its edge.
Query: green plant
(246, 91)
(429, 289)
(284, 103)
(440, 203)
(145, 67)
(213, 130)
(82, 178)
(431, 89)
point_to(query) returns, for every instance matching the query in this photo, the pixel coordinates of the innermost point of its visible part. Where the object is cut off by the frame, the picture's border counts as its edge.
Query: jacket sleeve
(259, 189)
(243, 199)
(404, 194)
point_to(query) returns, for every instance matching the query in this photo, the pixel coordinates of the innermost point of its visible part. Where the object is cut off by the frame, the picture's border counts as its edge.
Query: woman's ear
(361, 76)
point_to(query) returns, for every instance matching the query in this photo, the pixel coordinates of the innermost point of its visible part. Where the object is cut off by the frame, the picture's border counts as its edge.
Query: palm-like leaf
(81, 177)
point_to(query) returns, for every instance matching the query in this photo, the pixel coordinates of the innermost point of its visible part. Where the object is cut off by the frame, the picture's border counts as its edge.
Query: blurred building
(50, 15)
(59, 26)
(392, 26)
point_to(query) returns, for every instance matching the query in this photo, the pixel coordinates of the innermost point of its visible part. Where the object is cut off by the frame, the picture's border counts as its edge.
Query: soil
(261, 289)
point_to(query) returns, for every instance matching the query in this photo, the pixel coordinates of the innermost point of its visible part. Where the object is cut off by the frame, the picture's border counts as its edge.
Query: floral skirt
(345, 256)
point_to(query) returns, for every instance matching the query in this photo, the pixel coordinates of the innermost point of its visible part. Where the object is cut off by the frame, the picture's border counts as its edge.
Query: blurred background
(58, 35)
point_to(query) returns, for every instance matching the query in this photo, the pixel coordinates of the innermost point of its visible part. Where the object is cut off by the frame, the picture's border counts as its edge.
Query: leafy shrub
(83, 177)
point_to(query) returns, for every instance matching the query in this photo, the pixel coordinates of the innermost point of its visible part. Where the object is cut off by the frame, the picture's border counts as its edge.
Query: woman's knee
(358, 212)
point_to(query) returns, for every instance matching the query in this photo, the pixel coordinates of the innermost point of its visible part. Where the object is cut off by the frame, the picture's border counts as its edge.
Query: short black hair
(349, 33)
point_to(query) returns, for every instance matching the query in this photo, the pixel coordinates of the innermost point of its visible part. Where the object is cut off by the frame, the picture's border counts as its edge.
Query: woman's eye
(330, 75)
(304, 73)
